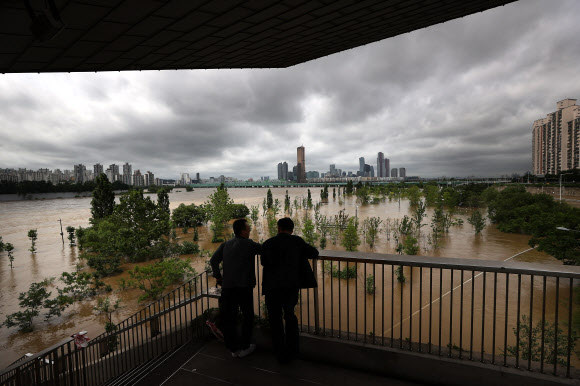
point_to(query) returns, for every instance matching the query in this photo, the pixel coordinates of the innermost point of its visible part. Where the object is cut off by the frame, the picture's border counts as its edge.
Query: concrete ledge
(411, 366)
(418, 367)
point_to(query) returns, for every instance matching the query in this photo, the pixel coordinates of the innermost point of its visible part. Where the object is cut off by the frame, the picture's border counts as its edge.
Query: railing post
(316, 306)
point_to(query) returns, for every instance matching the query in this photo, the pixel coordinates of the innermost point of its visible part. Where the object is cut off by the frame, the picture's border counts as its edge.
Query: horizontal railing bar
(568, 271)
(160, 313)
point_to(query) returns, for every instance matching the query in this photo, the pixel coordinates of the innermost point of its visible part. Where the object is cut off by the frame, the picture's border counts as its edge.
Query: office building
(381, 172)
(556, 139)
(394, 172)
(361, 164)
(98, 169)
(280, 173)
(312, 174)
(402, 172)
(387, 167)
(285, 171)
(301, 164)
(372, 171)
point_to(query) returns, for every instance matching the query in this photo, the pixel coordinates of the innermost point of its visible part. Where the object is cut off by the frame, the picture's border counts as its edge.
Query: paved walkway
(212, 364)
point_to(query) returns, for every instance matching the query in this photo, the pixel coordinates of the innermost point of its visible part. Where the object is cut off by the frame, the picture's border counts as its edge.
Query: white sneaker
(248, 351)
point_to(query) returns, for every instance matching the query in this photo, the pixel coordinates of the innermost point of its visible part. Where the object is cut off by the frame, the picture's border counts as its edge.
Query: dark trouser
(280, 301)
(231, 300)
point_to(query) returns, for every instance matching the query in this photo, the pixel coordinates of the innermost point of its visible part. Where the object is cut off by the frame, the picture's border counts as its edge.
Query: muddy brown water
(52, 258)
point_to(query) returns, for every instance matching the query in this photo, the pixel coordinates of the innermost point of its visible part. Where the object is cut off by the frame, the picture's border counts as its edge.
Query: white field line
(448, 292)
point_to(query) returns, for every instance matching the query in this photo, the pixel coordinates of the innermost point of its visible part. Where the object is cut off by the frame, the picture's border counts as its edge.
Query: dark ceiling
(121, 35)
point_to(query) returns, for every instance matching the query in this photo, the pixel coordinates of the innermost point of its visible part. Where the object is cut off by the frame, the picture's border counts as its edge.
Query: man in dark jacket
(238, 282)
(286, 270)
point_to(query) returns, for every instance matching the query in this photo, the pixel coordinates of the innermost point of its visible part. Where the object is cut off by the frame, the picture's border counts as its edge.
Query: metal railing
(457, 308)
(146, 335)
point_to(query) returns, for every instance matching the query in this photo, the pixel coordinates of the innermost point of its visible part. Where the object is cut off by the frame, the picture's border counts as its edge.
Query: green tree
(1, 244)
(163, 201)
(10, 248)
(154, 278)
(219, 208)
(71, 235)
(103, 201)
(269, 199)
(309, 200)
(309, 232)
(414, 195)
(31, 302)
(33, 235)
(552, 353)
(350, 239)
(324, 193)
(349, 188)
(136, 230)
(80, 233)
(189, 215)
(286, 202)
(410, 246)
(477, 220)
(371, 229)
(254, 213)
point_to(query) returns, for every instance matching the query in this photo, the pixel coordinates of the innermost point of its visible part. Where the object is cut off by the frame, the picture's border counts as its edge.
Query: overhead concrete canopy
(122, 35)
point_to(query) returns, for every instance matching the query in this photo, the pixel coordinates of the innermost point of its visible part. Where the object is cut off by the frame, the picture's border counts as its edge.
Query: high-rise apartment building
(280, 171)
(394, 172)
(115, 175)
(138, 178)
(381, 172)
(127, 173)
(98, 169)
(79, 173)
(556, 139)
(402, 172)
(301, 166)
(149, 178)
(387, 167)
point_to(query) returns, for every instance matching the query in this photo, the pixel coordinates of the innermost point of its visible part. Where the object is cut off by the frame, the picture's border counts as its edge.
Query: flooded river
(52, 257)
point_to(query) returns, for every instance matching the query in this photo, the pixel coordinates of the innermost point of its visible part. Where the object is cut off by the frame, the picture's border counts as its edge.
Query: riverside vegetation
(139, 230)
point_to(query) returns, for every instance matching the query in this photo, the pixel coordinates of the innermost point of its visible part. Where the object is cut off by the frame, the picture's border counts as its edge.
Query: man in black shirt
(238, 282)
(286, 270)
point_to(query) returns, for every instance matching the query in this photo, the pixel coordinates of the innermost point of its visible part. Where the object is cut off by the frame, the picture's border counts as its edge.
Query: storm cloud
(454, 99)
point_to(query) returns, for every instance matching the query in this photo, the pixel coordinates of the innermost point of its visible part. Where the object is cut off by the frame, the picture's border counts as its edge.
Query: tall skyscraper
(372, 171)
(402, 172)
(394, 172)
(149, 178)
(301, 166)
(556, 140)
(361, 164)
(387, 167)
(98, 169)
(280, 172)
(285, 171)
(381, 172)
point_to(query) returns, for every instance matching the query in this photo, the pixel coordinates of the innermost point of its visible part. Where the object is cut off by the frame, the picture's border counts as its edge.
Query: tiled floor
(213, 365)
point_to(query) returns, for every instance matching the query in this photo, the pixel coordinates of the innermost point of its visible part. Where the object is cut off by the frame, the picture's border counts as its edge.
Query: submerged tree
(33, 235)
(163, 201)
(351, 239)
(103, 201)
(477, 220)
(10, 248)
(71, 235)
(219, 208)
(269, 199)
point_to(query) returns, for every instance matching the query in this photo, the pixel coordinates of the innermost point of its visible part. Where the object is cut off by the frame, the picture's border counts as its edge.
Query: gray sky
(455, 99)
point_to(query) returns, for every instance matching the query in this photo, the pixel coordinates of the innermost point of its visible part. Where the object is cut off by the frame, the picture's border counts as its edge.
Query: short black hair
(286, 224)
(239, 226)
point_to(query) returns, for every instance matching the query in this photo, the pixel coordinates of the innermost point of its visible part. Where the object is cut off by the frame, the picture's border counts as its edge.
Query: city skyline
(454, 99)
